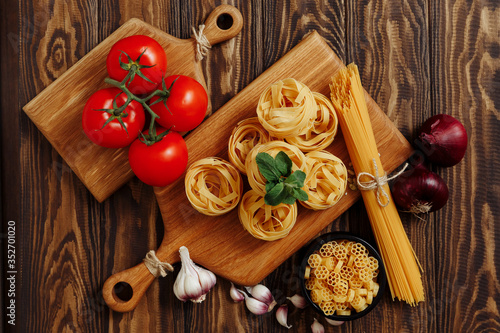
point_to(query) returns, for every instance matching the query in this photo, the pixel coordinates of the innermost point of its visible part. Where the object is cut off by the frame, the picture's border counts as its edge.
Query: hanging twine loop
(202, 43)
(377, 182)
(155, 266)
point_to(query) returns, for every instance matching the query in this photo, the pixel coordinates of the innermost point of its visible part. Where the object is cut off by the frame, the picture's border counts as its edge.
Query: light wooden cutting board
(220, 243)
(57, 110)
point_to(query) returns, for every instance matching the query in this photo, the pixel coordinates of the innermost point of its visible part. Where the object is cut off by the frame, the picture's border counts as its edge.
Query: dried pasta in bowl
(323, 130)
(255, 179)
(266, 222)
(286, 108)
(245, 136)
(326, 180)
(213, 186)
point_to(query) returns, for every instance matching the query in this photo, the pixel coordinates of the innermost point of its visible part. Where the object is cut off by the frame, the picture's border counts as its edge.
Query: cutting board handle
(123, 291)
(223, 23)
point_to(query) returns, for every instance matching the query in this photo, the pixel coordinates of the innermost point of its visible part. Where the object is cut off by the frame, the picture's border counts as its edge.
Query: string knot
(202, 43)
(155, 266)
(377, 182)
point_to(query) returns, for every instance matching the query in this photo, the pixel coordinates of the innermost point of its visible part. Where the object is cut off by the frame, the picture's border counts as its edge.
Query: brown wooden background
(417, 59)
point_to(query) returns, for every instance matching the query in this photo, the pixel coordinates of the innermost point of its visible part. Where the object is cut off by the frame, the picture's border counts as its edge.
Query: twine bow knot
(377, 182)
(202, 43)
(155, 266)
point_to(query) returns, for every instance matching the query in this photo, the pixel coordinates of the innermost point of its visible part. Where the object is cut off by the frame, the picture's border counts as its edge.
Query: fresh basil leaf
(275, 195)
(300, 194)
(283, 164)
(267, 167)
(269, 186)
(289, 200)
(296, 179)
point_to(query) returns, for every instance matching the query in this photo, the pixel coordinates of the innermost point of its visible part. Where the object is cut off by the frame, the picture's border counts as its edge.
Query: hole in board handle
(225, 21)
(123, 291)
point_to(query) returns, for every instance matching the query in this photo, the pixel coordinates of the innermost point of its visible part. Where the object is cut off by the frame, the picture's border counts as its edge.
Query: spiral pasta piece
(255, 179)
(286, 108)
(266, 222)
(326, 180)
(213, 186)
(323, 130)
(247, 134)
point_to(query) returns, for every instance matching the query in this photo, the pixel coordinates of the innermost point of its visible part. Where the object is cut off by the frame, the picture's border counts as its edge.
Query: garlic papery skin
(192, 282)
(298, 301)
(334, 322)
(317, 327)
(254, 305)
(235, 294)
(263, 294)
(282, 316)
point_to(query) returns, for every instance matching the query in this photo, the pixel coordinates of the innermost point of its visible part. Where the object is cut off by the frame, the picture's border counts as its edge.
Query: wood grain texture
(417, 58)
(465, 51)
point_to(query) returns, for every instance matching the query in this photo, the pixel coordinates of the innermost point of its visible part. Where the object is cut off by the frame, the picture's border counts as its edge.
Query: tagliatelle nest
(255, 178)
(286, 108)
(213, 186)
(323, 129)
(326, 180)
(245, 136)
(266, 222)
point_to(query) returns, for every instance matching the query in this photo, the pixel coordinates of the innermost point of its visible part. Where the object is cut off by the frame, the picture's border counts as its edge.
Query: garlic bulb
(263, 294)
(235, 294)
(317, 327)
(298, 301)
(282, 316)
(192, 282)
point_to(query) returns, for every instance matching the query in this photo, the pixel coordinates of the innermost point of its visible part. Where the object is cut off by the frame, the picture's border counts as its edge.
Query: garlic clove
(262, 293)
(282, 316)
(334, 322)
(235, 294)
(298, 301)
(192, 282)
(254, 305)
(317, 327)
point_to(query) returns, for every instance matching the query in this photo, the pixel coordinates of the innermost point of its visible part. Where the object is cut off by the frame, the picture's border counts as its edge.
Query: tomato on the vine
(184, 106)
(108, 127)
(148, 57)
(160, 163)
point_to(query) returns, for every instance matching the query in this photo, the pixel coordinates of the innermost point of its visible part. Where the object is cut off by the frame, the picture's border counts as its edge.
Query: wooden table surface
(416, 58)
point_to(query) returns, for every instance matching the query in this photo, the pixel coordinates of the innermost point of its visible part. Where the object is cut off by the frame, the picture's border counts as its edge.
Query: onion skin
(417, 189)
(443, 139)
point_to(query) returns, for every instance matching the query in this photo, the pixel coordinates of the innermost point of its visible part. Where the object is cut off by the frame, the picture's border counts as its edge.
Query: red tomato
(154, 55)
(113, 135)
(161, 163)
(187, 104)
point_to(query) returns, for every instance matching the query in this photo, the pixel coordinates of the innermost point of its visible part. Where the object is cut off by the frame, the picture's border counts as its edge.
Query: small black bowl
(316, 245)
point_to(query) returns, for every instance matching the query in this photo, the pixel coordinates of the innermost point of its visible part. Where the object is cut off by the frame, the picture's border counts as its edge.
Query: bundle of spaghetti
(247, 134)
(323, 129)
(400, 261)
(263, 221)
(286, 108)
(213, 186)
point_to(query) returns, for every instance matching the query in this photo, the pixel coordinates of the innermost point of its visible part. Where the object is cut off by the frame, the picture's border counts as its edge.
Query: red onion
(420, 191)
(443, 140)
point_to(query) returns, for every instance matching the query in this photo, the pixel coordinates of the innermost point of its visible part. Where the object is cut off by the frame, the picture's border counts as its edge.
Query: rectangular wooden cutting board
(220, 243)
(57, 110)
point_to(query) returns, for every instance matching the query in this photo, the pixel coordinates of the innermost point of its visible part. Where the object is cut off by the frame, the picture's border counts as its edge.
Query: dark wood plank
(465, 58)
(389, 42)
(9, 153)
